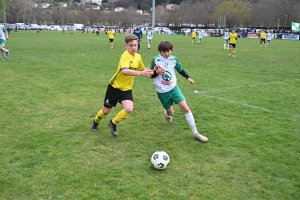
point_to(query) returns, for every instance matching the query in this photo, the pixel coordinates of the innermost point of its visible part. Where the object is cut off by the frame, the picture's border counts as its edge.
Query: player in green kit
(149, 34)
(165, 82)
(3, 38)
(226, 39)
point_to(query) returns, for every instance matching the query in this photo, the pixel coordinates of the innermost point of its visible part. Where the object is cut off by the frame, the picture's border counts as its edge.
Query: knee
(185, 109)
(106, 111)
(170, 112)
(128, 110)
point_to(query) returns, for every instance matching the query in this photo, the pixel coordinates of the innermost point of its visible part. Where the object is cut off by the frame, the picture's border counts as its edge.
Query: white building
(63, 5)
(92, 1)
(45, 5)
(119, 9)
(97, 1)
(172, 7)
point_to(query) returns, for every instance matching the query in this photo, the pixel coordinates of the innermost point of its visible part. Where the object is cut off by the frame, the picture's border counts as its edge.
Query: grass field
(53, 84)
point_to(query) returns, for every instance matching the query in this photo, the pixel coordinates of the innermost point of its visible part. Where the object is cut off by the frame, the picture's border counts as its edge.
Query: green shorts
(174, 96)
(2, 43)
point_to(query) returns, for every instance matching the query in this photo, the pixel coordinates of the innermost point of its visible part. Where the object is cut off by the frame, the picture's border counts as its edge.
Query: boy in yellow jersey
(232, 42)
(262, 38)
(193, 35)
(111, 35)
(120, 85)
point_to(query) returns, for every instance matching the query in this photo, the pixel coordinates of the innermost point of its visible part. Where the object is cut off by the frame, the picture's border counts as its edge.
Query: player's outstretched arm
(145, 72)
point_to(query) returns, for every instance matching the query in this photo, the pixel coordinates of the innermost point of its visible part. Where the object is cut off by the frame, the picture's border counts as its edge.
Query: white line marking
(245, 86)
(204, 93)
(237, 102)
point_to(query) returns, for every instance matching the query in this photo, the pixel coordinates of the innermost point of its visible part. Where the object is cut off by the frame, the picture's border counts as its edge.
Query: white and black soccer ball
(160, 160)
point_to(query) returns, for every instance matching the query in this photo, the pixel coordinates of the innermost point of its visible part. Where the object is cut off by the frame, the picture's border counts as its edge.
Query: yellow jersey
(262, 35)
(127, 61)
(232, 38)
(111, 34)
(193, 34)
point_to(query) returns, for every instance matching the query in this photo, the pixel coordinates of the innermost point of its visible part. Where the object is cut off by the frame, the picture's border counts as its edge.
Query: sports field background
(53, 84)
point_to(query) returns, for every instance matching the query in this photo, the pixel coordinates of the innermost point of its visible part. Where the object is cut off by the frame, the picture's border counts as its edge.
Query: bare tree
(198, 10)
(2, 4)
(286, 10)
(91, 17)
(236, 12)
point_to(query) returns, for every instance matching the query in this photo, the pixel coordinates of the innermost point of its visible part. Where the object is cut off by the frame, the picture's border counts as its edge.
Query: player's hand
(147, 72)
(156, 67)
(159, 70)
(191, 80)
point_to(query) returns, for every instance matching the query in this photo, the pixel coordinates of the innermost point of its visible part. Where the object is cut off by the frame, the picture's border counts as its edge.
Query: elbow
(125, 71)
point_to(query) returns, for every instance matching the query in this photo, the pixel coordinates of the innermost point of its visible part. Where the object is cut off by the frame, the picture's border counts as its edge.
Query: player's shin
(191, 121)
(120, 116)
(100, 115)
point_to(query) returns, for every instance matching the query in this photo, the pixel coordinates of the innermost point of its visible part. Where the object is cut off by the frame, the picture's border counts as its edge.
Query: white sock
(191, 121)
(5, 50)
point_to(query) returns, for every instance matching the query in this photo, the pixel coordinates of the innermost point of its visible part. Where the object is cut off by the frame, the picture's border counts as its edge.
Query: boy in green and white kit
(149, 34)
(3, 38)
(165, 82)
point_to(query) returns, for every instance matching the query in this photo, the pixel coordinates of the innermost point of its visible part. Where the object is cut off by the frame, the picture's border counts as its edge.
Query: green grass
(247, 106)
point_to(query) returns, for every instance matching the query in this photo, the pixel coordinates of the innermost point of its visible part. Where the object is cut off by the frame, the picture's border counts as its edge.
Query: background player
(262, 38)
(200, 34)
(193, 35)
(139, 33)
(149, 34)
(111, 35)
(269, 37)
(226, 39)
(232, 42)
(3, 38)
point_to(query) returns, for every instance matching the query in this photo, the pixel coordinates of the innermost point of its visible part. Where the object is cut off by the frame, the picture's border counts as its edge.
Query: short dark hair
(165, 45)
(130, 37)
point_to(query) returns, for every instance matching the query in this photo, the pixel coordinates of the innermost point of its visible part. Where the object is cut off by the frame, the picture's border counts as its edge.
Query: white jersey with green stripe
(269, 36)
(226, 35)
(149, 34)
(2, 34)
(167, 81)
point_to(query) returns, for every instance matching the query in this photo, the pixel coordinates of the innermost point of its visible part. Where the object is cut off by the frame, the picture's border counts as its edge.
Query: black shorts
(111, 40)
(113, 96)
(262, 40)
(233, 45)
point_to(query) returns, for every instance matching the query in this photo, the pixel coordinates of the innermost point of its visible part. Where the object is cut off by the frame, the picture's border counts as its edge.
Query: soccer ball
(160, 160)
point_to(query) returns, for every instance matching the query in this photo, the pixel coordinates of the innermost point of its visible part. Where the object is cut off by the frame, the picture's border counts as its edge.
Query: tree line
(231, 13)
